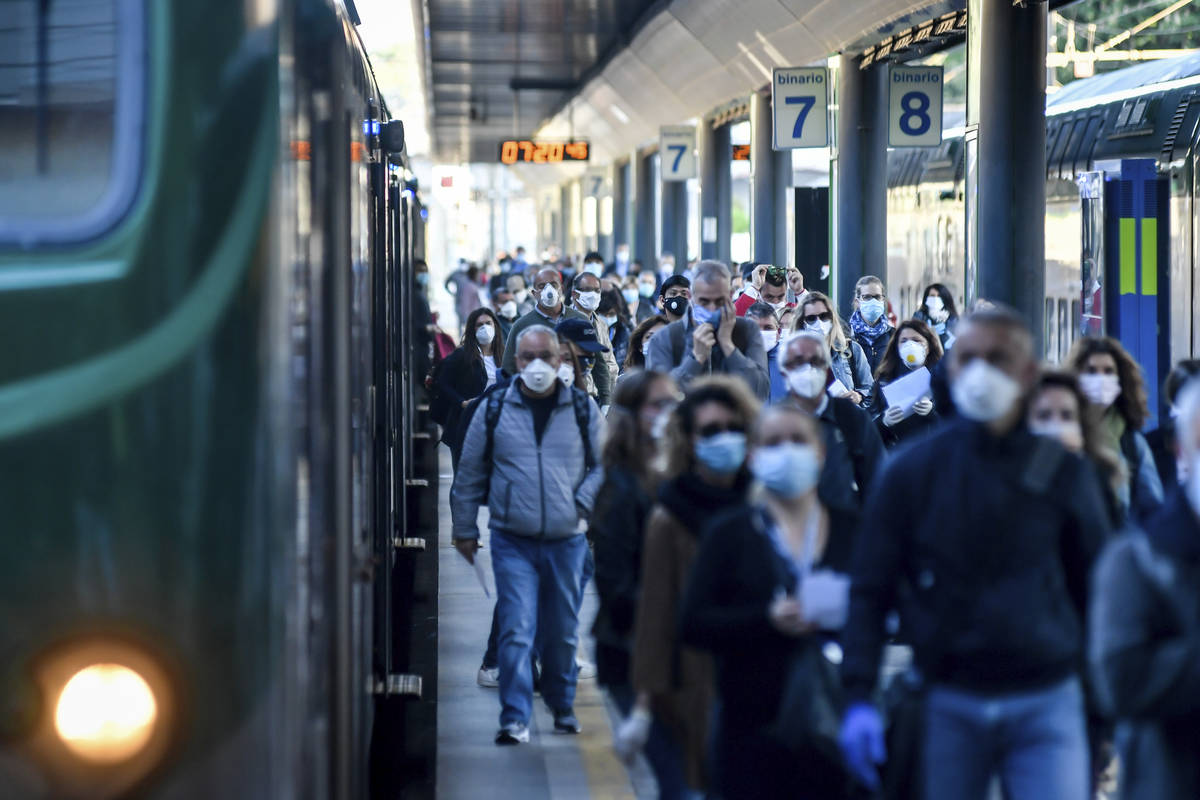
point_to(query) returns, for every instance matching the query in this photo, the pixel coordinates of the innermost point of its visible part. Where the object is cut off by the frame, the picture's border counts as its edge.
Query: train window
(1052, 135)
(71, 89)
(1083, 154)
(1066, 159)
(1050, 331)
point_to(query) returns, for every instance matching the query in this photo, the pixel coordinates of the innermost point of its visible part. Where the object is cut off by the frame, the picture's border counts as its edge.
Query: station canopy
(613, 71)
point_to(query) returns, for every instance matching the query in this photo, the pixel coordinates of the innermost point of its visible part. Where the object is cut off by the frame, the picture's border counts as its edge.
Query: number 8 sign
(800, 107)
(915, 106)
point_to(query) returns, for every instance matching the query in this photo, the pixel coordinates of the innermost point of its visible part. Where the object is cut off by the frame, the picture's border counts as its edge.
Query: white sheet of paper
(905, 392)
(837, 389)
(481, 574)
(825, 598)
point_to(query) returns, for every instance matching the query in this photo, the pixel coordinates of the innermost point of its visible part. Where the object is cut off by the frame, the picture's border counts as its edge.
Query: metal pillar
(675, 220)
(1012, 159)
(715, 189)
(564, 213)
(861, 178)
(644, 229)
(622, 222)
(770, 178)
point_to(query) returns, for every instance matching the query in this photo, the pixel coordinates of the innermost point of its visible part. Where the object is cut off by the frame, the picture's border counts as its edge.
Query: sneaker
(488, 677)
(584, 670)
(565, 721)
(513, 733)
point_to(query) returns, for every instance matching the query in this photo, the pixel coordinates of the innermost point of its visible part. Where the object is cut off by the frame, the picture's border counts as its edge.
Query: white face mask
(508, 309)
(770, 339)
(806, 381)
(610, 321)
(1069, 434)
(566, 374)
(549, 296)
(935, 304)
(912, 353)
(1101, 390)
(788, 469)
(538, 375)
(484, 334)
(588, 301)
(983, 393)
(780, 306)
(821, 326)
(594, 268)
(521, 295)
(646, 346)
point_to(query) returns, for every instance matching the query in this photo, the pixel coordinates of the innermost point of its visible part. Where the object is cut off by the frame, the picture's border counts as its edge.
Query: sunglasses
(811, 319)
(713, 428)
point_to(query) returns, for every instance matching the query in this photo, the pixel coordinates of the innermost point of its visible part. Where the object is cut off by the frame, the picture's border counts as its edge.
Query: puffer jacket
(1145, 652)
(536, 489)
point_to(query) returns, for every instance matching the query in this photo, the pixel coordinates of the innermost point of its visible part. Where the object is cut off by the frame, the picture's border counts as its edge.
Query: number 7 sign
(677, 152)
(800, 107)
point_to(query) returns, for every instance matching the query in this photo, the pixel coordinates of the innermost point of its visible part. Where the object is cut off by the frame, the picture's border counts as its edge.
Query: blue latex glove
(862, 743)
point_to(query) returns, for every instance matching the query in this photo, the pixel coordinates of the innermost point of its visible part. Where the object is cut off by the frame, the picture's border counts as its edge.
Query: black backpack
(580, 402)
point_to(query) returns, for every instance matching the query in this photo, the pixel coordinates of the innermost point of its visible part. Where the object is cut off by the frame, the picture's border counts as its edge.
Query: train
(217, 468)
(1122, 253)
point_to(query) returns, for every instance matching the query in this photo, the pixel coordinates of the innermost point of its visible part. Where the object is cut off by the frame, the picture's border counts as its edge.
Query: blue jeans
(537, 583)
(1035, 741)
(662, 752)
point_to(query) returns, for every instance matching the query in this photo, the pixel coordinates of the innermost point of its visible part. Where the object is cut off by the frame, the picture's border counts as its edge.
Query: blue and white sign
(915, 106)
(677, 151)
(800, 107)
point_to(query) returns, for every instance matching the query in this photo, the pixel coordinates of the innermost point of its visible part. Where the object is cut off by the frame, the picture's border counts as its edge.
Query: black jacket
(617, 528)
(460, 378)
(1145, 652)
(912, 426)
(987, 563)
(853, 455)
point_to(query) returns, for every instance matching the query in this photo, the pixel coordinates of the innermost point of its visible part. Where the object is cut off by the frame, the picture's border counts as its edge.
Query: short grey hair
(710, 272)
(538, 328)
(812, 336)
(1188, 403)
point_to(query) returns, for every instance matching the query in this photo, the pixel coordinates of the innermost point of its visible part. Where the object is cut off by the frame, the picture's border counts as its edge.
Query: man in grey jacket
(712, 339)
(539, 492)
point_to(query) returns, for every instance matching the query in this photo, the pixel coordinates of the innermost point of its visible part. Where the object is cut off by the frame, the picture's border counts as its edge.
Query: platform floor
(469, 764)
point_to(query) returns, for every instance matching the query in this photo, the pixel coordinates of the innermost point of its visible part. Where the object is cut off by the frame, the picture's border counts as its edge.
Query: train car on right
(1122, 183)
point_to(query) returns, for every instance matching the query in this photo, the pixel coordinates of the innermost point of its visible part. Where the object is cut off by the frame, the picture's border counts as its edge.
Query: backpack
(491, 418)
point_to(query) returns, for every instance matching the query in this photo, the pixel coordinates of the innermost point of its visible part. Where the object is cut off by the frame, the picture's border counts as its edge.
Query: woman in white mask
(464, 375)
(938, 311)
(1112, 383)
(768, 597)
(1057, 408)
(850, 365)
(913, 347)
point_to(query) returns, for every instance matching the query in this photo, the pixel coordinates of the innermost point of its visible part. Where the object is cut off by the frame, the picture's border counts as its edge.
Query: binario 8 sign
(915, 106)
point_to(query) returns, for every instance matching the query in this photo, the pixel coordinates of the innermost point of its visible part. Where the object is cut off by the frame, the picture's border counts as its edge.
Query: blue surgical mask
(871, 310)
(703, 315)
(630, 295)
(722, 453)
(422, 278)
(788, 469)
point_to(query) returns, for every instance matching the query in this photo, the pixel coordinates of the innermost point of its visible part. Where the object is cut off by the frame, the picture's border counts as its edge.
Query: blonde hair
(838, 343)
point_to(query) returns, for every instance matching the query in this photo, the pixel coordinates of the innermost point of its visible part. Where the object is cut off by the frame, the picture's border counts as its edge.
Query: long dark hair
(634, 359)
(624, 445)
(889, 365)
(471, 344)
(1132, 404)
(613, 300)
(947, 300)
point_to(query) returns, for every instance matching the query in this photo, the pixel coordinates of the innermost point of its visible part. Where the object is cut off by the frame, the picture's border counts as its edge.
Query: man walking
(539, 492)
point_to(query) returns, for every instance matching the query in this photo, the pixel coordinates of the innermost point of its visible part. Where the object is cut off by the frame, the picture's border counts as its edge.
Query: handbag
(809, 719)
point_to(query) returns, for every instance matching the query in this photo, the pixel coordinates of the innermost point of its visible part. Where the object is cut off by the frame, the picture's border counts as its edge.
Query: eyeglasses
(870, 297)
(813, 319)
(713, 428)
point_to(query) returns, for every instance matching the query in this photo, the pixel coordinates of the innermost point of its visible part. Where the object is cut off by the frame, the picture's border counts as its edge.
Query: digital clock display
(516, 151)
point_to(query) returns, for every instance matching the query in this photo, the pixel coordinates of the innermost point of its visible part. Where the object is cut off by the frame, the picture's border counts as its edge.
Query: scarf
(860, 328)
(693, 501)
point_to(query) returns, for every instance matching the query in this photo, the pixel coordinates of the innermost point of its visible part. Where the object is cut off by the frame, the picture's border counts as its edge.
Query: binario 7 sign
(800, 107)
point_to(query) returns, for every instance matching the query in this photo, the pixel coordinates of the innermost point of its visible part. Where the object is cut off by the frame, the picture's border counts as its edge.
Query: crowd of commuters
(774, 503)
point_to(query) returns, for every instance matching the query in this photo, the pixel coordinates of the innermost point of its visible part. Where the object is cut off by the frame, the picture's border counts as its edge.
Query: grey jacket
(536, 490)
(1145, 652)
(671, 351)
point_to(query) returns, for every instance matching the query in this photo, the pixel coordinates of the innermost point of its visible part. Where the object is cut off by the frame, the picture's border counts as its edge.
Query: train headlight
(106, 713)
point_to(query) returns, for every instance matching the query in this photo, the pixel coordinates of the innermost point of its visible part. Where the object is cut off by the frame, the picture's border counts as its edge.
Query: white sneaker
(584, 670)
(488, 678)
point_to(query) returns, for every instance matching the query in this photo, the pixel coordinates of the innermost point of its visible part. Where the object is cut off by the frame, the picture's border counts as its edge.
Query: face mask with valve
(677, 306)
(538, 376)
(912, 353)
(549, 296)
(566, 374)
